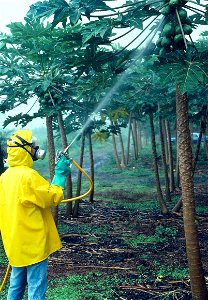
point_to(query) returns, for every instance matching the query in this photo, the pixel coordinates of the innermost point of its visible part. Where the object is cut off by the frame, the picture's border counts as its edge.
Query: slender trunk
(162, 143)
(163, 206)
(115, 149)
(166, 138)
(139, 137)
(170, 151)
(51, 153)
(134, 142)
(69, 179)
(123, 160)
(79, 178)
(128, 141)
(134, 135)
(198, 284)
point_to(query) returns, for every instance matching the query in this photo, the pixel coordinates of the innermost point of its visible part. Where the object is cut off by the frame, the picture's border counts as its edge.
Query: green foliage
(165, 233)
(92, 286)
(84, 229)
(162, 235)
(172, 271)
(187, 69)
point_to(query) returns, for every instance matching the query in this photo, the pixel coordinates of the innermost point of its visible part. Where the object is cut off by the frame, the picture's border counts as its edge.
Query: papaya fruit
(165, 42)
(178, 38)
(182, 14)
(165, 10)
(177, 29)
(187, 29)
(168, 29)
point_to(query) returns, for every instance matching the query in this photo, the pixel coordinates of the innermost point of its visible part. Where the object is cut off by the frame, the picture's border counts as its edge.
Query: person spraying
(28, 231)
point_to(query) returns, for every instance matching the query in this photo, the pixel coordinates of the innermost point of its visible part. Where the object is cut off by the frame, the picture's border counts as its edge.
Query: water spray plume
(117, 85)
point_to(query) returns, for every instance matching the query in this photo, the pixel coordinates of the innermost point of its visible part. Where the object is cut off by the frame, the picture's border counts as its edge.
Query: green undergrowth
(84, 229)
(100, 286)
(91, 286)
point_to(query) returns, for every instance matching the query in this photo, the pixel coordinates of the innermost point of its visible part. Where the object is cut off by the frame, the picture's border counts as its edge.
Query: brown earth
(105, 248)
(108, 252)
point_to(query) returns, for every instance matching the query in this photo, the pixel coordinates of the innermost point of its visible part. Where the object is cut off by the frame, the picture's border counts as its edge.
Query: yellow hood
(18, 156)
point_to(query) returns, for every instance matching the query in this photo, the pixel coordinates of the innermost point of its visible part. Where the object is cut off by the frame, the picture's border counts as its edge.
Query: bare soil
(106, 249)
(108, 252)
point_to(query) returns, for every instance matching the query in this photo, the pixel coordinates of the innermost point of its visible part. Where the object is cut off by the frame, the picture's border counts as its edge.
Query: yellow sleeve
(37, 191)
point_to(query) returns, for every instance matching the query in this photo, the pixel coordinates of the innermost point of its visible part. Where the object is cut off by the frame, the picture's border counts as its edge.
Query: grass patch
(84, 229)
(92, 286)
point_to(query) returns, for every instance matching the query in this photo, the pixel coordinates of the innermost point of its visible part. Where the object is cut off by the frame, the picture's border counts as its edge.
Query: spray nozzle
(59, 154)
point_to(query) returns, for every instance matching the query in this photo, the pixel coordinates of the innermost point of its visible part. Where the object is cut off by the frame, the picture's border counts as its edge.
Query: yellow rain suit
(27, 227)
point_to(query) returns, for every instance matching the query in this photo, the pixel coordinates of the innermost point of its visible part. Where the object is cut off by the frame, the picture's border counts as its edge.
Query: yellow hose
(5, 278)
(88, 177)
(66, 200)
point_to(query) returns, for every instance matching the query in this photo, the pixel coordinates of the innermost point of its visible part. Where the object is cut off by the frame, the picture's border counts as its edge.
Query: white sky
(15, 10)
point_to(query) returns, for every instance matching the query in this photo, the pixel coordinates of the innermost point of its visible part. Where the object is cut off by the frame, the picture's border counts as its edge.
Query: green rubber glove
(62, 170)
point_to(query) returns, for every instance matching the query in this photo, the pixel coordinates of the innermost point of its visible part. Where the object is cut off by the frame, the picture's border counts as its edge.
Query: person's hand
(62, 170)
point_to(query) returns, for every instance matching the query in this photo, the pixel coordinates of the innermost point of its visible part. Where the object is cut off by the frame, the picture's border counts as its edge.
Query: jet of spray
(116, 86)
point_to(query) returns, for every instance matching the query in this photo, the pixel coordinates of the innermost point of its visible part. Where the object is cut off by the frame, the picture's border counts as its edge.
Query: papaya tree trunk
(197, 280)
(128, 141)
(162, 143)
(123, 160)
(170, 153)
(51, 153)
(134, 136)
(163, 206)
(139, 137)
(115, 149)
(79, 178)
(69, 179)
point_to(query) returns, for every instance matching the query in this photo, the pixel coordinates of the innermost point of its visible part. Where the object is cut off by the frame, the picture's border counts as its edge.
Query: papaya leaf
(19, 119)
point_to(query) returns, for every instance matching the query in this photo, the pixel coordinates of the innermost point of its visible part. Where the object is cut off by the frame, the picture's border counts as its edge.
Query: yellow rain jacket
(27, 227)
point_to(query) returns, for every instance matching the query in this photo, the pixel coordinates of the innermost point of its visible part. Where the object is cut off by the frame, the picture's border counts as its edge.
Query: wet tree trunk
(170, 152)
(163, 206)
(139, 137)
(165, 169)
(79, 178)
(123, 160)
(69, 179)
(128, 141)
(198, 284)
(115, 149)
(135, 137)
(51, 153)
